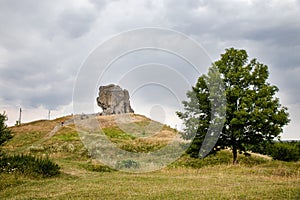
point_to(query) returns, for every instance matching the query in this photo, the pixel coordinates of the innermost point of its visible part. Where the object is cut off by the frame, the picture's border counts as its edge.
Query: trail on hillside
(56, 128)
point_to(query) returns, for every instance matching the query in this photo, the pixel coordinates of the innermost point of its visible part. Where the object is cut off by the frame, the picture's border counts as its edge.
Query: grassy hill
(83, 177)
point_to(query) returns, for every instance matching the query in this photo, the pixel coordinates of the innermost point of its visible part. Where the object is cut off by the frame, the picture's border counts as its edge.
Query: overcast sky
(44, 43)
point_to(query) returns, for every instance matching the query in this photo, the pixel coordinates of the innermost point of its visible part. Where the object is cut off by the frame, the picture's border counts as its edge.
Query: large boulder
(114, 100)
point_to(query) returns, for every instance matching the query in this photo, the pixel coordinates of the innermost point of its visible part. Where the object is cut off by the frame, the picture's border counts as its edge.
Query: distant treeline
(279, 150)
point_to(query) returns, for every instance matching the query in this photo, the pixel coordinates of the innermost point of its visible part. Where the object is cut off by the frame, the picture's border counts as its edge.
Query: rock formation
(114, 100)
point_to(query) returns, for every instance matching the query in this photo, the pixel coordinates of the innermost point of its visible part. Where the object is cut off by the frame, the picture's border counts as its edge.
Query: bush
(286, 151)
(97, 167)
(28, 165)
(141, 145)
(127, 164)
(222, 157)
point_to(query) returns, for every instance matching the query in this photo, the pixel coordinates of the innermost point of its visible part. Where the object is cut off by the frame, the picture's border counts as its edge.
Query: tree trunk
(234, 153)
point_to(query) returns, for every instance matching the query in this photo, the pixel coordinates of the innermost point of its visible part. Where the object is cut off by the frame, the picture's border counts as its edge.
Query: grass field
(213, 182)
(83, 178)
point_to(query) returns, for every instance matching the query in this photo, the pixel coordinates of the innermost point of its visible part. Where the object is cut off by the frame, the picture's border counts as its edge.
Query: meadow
(81, 177)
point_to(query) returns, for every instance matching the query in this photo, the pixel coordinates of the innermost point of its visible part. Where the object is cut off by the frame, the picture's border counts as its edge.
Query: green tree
(5, 133)
(254, 114)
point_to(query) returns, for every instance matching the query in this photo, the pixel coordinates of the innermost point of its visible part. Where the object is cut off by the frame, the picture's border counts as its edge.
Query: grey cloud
(40, 60)
(100, 4)
(43, 43)
(76, 23)
(267, 29)
(49, 94)
(237, 21)
(281, 35)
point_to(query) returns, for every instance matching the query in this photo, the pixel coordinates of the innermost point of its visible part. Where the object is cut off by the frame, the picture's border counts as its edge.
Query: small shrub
(98, 168)
(220, 158)
(28, 165)
(187, 160)
(127, 164)
(139, 145)
(251, 160)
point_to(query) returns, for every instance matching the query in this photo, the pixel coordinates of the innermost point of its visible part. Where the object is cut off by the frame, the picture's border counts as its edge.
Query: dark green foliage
(210, 160)
(28, 165)
(127, 164)
(98, 168)
(254, 115)
(219, 158)
(285, 151)
(194, 149)
(263, 148)
(5, 133)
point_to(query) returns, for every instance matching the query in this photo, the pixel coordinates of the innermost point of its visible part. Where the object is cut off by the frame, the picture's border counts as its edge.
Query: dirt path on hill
(56, 128)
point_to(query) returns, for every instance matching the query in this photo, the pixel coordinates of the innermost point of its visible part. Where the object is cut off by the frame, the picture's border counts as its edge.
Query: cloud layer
(44, 43)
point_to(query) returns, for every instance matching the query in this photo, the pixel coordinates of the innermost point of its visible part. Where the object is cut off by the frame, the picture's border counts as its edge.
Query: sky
(43, 45)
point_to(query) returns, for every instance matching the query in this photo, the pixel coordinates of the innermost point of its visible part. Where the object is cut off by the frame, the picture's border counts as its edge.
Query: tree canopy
(254, 114)
(5, 133)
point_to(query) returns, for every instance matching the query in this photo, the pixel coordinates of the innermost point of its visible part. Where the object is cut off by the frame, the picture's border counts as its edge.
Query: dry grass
(84, 178)
(218, 182)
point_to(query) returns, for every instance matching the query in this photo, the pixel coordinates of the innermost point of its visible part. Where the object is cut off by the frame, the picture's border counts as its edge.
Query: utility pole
(20, 116)
(49, 114)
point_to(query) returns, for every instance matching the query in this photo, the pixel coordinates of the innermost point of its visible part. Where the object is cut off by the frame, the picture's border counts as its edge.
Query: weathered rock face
(114, 100)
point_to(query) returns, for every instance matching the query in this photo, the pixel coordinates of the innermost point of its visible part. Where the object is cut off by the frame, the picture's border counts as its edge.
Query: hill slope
(211, 178)
(62, 142)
